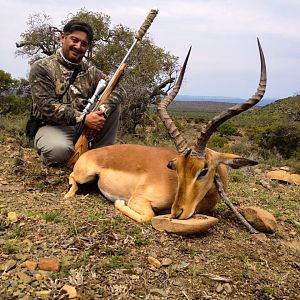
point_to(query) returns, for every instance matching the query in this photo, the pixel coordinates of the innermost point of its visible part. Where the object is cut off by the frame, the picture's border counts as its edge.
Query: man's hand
(95, 120)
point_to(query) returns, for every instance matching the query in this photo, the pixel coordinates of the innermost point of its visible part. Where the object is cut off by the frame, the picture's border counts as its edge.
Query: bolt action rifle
(82, 144)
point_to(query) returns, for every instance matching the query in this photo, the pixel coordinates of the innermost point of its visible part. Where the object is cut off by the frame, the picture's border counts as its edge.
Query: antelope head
(197, 166)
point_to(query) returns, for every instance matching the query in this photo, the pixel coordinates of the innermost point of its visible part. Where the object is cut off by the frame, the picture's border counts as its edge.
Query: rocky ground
(52, 248)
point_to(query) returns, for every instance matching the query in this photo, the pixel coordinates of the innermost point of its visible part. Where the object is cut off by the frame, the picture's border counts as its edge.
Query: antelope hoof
(68, 195)
(71, 193)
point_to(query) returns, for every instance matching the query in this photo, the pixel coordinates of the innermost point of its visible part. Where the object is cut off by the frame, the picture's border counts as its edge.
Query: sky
(224, 60)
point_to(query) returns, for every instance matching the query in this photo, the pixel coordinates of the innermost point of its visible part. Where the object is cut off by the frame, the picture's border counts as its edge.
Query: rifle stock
(82, 144)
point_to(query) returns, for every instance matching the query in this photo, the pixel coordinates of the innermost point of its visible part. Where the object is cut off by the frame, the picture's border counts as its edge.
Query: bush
(217, 142)
(227, 129)
(13, 104)
(285, 139)
(236, 176)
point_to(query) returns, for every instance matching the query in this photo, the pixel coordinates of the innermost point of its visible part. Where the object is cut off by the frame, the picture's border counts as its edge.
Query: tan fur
(137, 180)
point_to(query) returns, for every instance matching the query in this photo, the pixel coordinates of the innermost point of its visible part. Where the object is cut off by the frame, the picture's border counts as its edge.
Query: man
(61, 84)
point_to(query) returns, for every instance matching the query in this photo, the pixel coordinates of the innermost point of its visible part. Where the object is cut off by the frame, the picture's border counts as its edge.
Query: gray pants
(55, 144)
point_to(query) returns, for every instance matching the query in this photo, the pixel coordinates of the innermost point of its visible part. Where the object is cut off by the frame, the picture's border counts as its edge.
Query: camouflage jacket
(49, 78)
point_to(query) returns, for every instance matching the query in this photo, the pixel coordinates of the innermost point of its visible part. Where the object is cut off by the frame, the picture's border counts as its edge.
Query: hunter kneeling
(61, 85)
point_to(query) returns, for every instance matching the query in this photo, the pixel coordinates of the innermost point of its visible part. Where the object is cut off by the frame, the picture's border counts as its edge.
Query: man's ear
(62, 37)
(172, 164)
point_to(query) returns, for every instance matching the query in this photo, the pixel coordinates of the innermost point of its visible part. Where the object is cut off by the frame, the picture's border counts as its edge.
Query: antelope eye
(202, 173)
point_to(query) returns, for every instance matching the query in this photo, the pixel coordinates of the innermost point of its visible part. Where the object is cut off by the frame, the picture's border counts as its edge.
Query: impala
(143, 181)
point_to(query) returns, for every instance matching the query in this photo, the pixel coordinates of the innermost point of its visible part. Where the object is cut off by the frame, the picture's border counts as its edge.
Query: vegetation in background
(150, 70)
(270, 134)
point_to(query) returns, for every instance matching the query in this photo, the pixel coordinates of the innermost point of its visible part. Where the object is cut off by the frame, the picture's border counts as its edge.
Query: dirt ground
(104, 255)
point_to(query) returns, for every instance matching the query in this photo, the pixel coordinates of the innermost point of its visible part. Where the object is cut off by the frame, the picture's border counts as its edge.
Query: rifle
(82, 144)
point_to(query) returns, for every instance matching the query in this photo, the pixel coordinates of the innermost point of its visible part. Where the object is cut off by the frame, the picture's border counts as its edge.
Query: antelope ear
(172, 164)
(236, 163)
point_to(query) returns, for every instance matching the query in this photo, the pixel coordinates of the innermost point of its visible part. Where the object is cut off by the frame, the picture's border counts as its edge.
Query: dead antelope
(144, 181)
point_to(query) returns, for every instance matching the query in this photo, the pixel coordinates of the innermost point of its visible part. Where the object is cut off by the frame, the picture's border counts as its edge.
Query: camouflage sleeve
(45, 99)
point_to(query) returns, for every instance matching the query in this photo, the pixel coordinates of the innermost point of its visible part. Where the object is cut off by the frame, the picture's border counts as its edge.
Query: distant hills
(219, 99)
(211, 106)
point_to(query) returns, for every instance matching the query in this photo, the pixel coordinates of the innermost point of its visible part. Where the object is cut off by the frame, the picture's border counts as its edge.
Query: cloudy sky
(224, 59)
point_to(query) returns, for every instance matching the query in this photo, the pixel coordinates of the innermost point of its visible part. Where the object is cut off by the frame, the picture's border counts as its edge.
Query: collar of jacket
(67, 63)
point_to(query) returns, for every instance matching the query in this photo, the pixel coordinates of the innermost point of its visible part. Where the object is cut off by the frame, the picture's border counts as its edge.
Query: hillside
(281, 112)
(199, 106)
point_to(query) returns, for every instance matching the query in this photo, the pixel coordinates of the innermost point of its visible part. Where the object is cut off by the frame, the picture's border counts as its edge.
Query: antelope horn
(236, 109)
(179, 141)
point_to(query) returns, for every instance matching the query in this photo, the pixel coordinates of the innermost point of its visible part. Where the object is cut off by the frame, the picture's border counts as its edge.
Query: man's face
(74, 45)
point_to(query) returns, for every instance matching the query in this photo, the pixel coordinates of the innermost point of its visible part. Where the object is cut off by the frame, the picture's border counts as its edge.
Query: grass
(10, 247)
(110, 249)
(116, 262)
(95, 216)
(119, 224)
(17, 233)
(54, 216)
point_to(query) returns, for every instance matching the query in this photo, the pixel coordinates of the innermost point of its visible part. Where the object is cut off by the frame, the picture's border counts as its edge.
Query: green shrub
(227, 129)
(217, 142)
(285, 139)
(14, 104)
(236, 176)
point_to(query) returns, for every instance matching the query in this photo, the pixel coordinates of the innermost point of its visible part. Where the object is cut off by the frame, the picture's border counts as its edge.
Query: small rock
(284, 176)
(24, 277)
(16, 293)
(166, 262)
(154, 262)
(181, 266)
(12, 217)
(49, 264)
(10, 264)
(285, 168)
(259, 218)
(227, 287)
(35, 284)
(71, 291)
(21, 257)
(265, 184)
(219, 288)
(261, 237)
(30, 265)
(39, 277)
